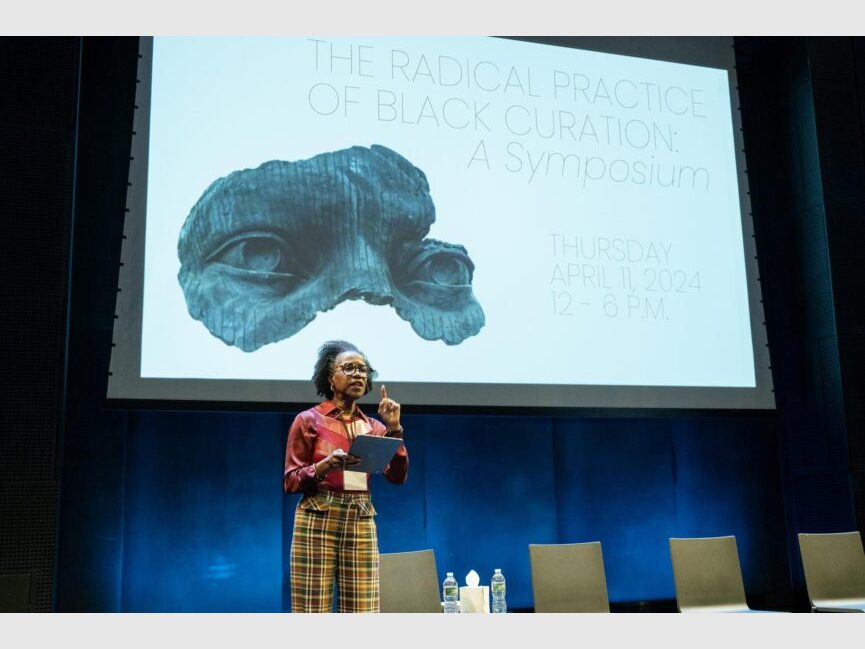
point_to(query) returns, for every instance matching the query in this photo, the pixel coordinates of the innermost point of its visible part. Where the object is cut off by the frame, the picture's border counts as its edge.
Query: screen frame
(126, 387)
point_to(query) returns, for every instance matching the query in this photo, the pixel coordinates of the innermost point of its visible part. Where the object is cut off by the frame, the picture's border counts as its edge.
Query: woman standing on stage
(334, 529)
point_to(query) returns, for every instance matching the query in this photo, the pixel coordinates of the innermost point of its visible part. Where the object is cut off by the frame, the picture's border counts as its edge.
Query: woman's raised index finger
(383, 391)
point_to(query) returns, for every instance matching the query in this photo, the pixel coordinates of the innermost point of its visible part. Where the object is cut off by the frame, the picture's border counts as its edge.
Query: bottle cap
(450, 574)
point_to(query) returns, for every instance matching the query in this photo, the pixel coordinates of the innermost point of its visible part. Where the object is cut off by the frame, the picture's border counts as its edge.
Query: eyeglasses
(351, 369)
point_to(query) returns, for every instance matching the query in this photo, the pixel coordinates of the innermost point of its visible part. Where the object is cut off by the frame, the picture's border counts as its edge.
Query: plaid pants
(334, 536)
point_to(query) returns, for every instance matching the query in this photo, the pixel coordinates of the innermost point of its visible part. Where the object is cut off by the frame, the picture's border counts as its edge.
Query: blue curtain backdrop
(206, 526)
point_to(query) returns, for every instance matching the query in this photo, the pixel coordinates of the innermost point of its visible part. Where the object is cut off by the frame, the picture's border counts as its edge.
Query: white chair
(834, 567)
(569, 578)
(708, 576)
(408, 582)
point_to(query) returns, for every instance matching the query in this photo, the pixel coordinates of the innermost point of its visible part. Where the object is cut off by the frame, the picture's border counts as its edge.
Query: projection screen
(494, 222)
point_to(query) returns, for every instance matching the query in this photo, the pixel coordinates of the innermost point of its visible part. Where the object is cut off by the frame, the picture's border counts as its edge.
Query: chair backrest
(707, 574)
(569, 578)
(834, 568)
(408, 582)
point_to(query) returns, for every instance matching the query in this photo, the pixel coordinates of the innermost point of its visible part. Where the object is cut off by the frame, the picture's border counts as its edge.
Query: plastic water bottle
(497, 591)
(450, 590)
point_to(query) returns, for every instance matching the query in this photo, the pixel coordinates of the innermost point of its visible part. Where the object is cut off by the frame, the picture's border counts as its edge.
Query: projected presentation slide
(471, 211)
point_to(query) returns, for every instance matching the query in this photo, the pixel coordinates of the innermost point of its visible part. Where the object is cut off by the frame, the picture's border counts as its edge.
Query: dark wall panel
(839, 102)
(38, 90)
(791, 117)
(90, 541)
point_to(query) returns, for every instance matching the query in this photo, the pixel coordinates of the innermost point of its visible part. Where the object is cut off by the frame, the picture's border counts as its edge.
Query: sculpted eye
(257, 252)
(434, 290)
(436, 263)
(444, 268)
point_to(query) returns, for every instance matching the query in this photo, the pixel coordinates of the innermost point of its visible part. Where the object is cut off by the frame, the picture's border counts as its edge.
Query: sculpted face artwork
(264, 250)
